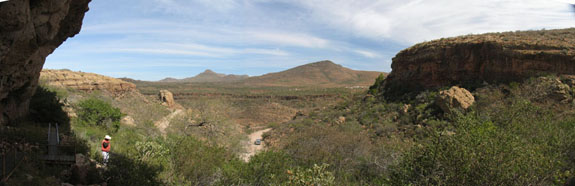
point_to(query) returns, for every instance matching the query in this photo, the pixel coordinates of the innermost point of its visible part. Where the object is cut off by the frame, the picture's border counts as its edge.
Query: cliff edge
(475, 59)
(86, 82)
(30, 30)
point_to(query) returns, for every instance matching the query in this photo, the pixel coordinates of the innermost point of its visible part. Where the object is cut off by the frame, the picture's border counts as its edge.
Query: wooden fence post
(3, 165)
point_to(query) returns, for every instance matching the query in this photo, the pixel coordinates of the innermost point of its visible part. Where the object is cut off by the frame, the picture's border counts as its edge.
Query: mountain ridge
(208, 76)
(321, 73)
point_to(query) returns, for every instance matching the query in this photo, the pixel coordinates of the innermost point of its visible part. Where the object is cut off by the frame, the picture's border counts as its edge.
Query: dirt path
(252, 148)
(164, 123)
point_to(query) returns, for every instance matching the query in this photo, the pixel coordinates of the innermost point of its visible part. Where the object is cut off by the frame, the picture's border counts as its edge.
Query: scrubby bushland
(93, 111)
(268, 168)
(524, 145)
(127, 171)
(202, 164)
(517, 134)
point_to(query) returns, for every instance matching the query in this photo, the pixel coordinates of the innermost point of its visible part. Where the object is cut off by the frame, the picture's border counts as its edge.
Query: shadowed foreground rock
(471, 60)
(30, 30)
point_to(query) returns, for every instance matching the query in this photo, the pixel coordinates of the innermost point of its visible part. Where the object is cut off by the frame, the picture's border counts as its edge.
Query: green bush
(317, 175)
(123, 170)
(201, 163)
(375, 88)
(152, 152)
(93, 111)
(521, 146)
(268, 168)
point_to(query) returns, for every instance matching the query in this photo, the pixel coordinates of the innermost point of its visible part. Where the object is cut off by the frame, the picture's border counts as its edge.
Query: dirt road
(252, 148)
(164, 123)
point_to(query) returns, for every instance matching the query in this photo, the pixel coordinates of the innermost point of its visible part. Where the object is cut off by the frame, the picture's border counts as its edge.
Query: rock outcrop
(167, 98)
(559, 89)
(454, 98)
(30, 30)
(474, 59)
(128, 120)
(86, 82)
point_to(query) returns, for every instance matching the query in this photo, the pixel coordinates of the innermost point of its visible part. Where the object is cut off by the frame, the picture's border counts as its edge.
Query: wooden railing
(59, 153)
(10, 161)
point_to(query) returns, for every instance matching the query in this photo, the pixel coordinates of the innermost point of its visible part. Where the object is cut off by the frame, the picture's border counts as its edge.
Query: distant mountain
(322, 73)
(209, 76)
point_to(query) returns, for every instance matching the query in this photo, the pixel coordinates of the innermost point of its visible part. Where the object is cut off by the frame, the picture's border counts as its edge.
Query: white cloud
(292, 39)
(275, 52)
(162, 51)
(367, 54)
(413, 21)
(166, 30)
(407, 22)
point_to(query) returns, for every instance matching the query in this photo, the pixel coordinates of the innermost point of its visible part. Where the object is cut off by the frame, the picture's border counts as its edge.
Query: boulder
(550, 88)
(167, 98)
(454, 98)
(405, 108)
(340, 120)
(80, 169)
(128, 120)
(30, 30)
(298, 114)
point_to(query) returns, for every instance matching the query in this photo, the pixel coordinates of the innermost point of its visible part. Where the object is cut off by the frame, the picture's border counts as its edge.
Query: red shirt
(106, 145)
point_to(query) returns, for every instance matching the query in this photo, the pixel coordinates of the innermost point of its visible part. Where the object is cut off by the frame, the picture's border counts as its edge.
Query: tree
(97, 112)
(374, 89)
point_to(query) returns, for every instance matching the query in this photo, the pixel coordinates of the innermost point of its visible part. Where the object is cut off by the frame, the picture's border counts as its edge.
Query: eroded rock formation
(454, 98)
(474, 59)
(30, 30)
(167, 98)
(86, 82)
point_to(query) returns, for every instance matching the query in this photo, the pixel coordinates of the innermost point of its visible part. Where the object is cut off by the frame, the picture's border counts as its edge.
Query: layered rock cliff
(87, 82)
(475, 59)
(30, 30)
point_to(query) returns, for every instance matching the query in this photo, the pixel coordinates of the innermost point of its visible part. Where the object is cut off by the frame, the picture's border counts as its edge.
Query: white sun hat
(107, 137)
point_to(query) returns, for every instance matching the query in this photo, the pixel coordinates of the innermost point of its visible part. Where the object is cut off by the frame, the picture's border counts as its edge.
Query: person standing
(106, 149)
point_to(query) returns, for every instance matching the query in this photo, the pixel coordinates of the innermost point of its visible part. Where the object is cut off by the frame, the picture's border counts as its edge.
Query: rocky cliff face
(474, 59)
(87, 82)
(30, 30)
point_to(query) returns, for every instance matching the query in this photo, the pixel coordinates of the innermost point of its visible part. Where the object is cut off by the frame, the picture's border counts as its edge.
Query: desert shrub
(123, 170)
(343, 150)
(199, 163)
(140, 109)
(268, 168)
(152, 151)
(521, 146)
(375, 88)
(93, 111)
(317, 175)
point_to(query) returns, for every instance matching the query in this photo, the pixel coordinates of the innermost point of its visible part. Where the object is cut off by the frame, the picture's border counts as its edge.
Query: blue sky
(154, 39)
